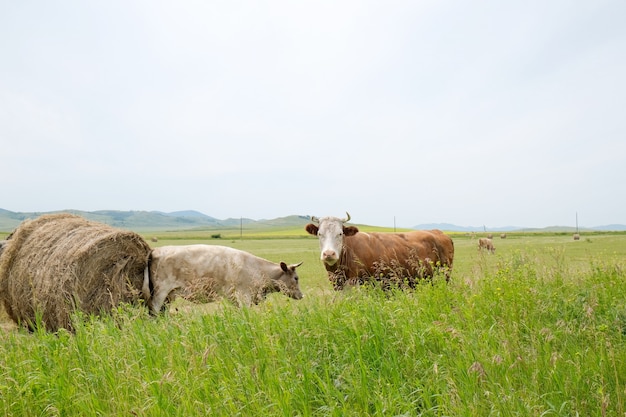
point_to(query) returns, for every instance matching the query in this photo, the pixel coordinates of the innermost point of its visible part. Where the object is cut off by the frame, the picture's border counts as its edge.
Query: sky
(485, 113)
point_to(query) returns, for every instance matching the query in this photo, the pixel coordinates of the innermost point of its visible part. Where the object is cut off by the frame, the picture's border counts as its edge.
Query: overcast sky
(491, 113)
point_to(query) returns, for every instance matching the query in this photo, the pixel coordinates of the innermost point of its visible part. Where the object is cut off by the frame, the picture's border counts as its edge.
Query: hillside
(154, 220)
(481, 229)
(190, 219)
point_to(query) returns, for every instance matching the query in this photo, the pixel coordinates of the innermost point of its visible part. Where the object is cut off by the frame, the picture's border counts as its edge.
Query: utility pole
(576, 235)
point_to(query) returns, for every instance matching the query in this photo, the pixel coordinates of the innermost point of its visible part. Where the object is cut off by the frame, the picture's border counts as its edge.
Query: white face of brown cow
(331, 232)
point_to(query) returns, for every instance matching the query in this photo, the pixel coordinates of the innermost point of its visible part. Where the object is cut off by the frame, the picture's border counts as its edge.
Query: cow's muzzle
(330, 257)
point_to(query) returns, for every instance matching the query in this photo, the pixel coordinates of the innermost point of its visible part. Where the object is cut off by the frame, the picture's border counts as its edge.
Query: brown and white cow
(353, 257)
(486, 243)
(203, 273)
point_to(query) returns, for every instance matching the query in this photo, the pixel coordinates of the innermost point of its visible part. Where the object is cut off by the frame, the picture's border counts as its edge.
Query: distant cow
(2, 245)
(353, 257)
(204, 272)
(486, 243)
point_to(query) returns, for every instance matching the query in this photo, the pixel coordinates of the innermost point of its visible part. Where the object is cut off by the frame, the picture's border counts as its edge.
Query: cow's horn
(315, 219)
(347, 219)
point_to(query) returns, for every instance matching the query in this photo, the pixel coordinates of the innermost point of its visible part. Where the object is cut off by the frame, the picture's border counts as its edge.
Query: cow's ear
(284, 266)
(312, 229)
(350, 230)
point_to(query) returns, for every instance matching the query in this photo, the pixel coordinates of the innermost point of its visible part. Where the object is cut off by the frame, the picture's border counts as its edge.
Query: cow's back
(188, 263)
(366, 252)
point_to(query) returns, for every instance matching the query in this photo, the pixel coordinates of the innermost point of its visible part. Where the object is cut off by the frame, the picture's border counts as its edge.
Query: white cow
(202, 273)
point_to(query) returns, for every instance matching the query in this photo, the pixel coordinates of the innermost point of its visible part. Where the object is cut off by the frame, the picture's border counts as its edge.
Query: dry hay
(59, 263)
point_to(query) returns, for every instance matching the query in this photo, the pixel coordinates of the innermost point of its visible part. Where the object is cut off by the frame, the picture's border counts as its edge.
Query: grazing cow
(486, 243)
(201, 273)
(352, 257)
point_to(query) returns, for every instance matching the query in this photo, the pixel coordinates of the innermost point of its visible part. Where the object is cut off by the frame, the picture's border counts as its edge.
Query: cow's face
(288, 282)
(331, 233)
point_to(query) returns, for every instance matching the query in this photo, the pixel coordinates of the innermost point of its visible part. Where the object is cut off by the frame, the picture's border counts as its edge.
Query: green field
(539, 328)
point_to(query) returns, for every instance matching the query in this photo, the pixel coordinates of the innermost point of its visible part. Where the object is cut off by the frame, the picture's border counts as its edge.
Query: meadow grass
(538, 328)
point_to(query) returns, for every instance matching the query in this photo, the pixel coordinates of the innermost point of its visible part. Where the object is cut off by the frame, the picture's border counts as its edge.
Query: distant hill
(612, 228)
(153, 220)
(188, 213)
(455, 228)
(191, 219)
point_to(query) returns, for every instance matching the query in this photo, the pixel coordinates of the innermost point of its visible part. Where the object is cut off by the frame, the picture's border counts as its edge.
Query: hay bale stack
(59, 263)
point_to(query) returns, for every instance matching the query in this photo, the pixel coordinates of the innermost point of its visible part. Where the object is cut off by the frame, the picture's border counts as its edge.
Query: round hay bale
(59, 263)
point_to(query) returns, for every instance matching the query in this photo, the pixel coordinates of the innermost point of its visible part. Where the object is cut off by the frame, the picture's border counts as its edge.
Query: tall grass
(512, 334)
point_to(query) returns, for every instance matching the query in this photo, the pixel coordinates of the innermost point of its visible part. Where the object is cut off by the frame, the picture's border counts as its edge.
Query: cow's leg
(145, 288)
